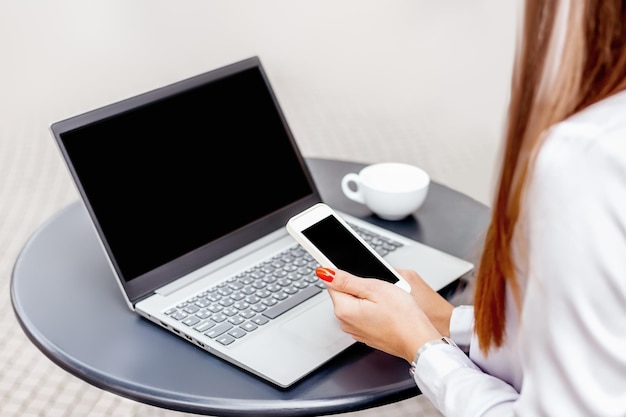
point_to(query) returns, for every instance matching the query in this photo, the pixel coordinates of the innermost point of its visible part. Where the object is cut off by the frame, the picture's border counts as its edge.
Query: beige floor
(418, 81)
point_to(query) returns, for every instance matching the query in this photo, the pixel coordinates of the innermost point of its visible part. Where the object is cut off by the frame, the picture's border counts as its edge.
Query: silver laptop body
(189, 188)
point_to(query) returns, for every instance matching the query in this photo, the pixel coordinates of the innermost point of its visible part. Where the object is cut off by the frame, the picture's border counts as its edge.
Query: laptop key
(226, 339)
(204, 326)
(249, 326)
(191, 321)
(291, 302)
(237, 333)
(219, 330)
(258, 308)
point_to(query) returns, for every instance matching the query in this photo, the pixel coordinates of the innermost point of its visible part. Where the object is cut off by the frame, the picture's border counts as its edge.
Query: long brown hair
(561, 67)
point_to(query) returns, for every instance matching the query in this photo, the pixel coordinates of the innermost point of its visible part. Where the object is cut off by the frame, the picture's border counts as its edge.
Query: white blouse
(565, 350)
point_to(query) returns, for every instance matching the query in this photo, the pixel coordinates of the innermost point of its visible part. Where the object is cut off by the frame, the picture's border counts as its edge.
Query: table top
(69, 305)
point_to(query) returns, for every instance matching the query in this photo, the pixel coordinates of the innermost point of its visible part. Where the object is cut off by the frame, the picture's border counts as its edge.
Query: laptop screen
(183, 175)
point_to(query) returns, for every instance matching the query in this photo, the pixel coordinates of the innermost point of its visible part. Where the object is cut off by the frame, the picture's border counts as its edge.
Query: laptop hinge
(228, 265)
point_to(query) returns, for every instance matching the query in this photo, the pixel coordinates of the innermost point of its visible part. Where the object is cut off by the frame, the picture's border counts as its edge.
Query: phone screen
(346, 251)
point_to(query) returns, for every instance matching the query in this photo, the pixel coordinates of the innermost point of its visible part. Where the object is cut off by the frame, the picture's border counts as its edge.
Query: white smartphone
(333, 243)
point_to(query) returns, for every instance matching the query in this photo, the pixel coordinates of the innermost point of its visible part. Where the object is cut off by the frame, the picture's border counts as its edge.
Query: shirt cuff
(462, 326)
(435, 364)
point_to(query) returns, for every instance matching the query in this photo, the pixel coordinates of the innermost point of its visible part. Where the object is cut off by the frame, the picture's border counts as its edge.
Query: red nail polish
(326, 274)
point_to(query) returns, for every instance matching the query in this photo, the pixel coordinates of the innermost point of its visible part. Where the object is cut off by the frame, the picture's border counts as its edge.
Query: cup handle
(352, 195)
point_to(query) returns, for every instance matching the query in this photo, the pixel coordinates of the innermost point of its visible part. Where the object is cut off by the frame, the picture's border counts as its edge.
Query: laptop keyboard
(240, 305)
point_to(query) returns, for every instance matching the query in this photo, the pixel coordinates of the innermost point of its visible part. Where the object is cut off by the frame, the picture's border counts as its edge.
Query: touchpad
(318, 327)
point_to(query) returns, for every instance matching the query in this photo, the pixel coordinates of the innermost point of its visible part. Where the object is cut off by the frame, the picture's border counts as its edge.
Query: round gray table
(68, 303)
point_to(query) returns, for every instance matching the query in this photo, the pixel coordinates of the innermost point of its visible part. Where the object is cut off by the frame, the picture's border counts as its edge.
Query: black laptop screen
(176, 174)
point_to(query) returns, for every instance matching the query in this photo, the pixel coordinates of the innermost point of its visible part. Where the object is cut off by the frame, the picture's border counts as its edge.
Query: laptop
(189, 188)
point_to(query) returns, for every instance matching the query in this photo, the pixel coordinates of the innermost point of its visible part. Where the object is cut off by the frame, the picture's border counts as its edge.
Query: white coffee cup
(392, 190)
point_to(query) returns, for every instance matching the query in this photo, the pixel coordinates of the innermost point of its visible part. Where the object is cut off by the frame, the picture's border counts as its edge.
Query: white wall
(421, 81)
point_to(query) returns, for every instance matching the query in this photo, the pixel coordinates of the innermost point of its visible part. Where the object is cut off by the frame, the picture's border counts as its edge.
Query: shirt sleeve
(458, 388)
(449, 378)
(462, 326)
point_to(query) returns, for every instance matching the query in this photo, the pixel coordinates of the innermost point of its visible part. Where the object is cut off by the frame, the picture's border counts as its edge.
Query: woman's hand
(381, 314)
(437, 308)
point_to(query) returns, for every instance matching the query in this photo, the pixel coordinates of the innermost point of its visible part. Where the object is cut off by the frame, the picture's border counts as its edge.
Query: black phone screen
(345, 251)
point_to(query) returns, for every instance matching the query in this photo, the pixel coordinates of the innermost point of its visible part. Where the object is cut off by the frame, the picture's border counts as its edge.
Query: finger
(412, 277)
(342, 281)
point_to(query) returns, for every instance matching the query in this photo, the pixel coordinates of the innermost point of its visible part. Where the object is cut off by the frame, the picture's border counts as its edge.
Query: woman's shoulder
(583, 160)
(597, 133)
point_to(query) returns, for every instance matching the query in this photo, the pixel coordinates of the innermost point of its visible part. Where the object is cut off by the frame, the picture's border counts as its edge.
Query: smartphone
(333, 243)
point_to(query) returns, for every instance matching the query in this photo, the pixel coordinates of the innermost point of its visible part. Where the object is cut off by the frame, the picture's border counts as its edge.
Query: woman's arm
(387, 318)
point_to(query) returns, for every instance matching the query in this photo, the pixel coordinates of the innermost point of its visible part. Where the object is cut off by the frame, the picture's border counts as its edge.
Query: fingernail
(326, 274)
